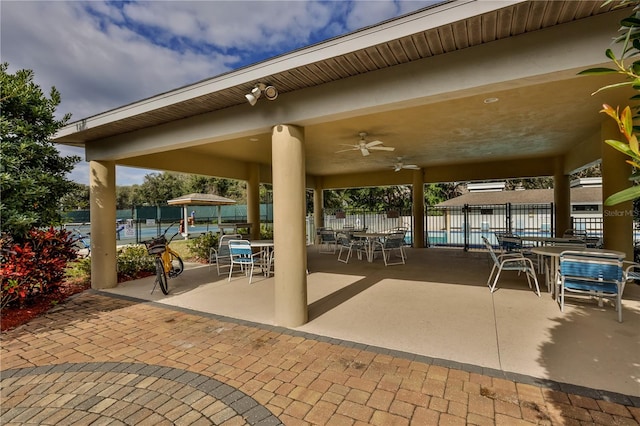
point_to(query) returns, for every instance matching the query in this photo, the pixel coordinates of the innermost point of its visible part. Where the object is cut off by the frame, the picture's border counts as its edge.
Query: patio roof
(420, 83)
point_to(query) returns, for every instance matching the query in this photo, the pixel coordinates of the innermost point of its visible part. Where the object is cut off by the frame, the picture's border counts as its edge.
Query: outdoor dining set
(573, 264)
(236, 254)
(364, 244)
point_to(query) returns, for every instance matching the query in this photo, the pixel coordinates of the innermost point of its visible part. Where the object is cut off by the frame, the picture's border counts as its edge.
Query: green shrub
(266, 232)
(201, 245)
(132, 260)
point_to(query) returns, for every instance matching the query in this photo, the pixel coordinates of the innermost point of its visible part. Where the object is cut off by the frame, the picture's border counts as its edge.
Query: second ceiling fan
(365, 147)
(401, 165)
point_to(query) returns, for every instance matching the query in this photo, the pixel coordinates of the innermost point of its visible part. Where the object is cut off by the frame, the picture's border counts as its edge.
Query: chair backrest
(328, 236)
(578, 234)
(592, 267)
(223, 244)
(489, 248)
(508, 241)
(570, 243)
(343, 239)
(394, 240)
(240, 248)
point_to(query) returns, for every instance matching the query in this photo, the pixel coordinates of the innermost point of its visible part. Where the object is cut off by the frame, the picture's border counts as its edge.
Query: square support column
(289, 231)
(102, 201)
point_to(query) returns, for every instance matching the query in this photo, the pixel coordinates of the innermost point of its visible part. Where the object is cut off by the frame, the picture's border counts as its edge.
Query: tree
(76, 199)
(630, 39)
(32, 172)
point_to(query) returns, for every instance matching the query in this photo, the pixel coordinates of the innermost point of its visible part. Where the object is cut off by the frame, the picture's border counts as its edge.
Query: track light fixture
(269, 92)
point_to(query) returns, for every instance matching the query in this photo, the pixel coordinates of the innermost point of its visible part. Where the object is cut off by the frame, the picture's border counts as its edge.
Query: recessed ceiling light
(254, 139)
(491, 100)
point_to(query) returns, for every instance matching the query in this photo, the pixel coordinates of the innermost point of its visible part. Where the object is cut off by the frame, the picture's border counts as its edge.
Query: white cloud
(101, 55)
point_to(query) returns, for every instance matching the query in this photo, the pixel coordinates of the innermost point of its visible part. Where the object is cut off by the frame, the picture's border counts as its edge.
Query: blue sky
(104, 54)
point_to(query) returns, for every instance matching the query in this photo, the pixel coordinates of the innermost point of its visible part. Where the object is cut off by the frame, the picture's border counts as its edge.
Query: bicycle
(168, 263)
(81, 242)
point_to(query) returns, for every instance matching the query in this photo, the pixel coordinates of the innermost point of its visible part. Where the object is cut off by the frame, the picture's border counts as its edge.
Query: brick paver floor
(101, 360)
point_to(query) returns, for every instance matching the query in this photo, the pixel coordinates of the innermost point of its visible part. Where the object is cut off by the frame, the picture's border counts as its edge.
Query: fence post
(465, 226)
(508, 226)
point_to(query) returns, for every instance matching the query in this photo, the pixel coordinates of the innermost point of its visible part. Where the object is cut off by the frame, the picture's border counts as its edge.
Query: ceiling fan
(400, 165)
(364, 147)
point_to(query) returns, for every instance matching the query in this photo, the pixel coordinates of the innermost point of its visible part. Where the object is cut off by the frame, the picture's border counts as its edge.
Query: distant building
(488, 208)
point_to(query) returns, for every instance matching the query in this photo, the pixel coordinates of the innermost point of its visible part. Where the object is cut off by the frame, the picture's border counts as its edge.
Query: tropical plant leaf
(630, 22)
(625, 195)
(620, 146)
(598, 71)
(610, 54)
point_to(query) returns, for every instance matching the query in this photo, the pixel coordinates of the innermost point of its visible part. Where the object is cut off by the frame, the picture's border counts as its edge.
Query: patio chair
(508, 242)
(347, 245)
(590, 274)
(632, 272)
(393, 243)
(575, 233)
(243, 256)
(328, 243)
(514, 261)
(221, 256)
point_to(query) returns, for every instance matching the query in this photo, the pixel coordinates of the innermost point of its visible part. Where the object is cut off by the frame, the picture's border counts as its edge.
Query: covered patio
(463, 90)
(439, 306)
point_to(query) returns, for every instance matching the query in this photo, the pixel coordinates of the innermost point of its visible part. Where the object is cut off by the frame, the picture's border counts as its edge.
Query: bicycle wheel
(177, 265)
(161, 277)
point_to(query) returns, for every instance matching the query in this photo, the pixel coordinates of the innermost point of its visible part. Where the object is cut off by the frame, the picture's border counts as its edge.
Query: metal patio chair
(592, 274)
(514, 261)
(221, 256)
(393, 243)
(348, 245)
(243, 256)
(328, 243)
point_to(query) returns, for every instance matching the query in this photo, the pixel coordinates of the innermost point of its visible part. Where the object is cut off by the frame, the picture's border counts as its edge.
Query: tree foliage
(32, 173)
(626, 65)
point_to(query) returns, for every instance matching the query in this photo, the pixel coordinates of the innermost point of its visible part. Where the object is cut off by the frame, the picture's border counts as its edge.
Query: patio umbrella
(196, 199)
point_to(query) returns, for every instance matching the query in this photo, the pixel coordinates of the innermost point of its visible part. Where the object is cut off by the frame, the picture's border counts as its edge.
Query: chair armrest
(632, 272)
(516, 255)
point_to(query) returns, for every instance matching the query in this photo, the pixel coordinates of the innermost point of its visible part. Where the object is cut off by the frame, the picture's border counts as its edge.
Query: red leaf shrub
(36, 266)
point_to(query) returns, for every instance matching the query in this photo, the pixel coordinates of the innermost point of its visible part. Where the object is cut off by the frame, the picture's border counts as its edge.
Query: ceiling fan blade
(382, 148)
(411, 166)
(373, 143)
(345, 150)
(364, 151)
(397, 168)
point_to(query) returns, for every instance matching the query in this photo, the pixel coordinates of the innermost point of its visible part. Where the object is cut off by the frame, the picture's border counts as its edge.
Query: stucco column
(102, 201)
(418, 209)
(318, 206)
(289, 225)
(618, 219)
(561, 197)
(253, 200)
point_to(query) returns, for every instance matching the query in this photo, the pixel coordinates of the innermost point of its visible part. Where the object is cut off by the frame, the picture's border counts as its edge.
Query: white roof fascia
(437, 16)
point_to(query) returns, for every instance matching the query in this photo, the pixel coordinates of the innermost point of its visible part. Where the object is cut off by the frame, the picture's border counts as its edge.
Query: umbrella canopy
(201, 200)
